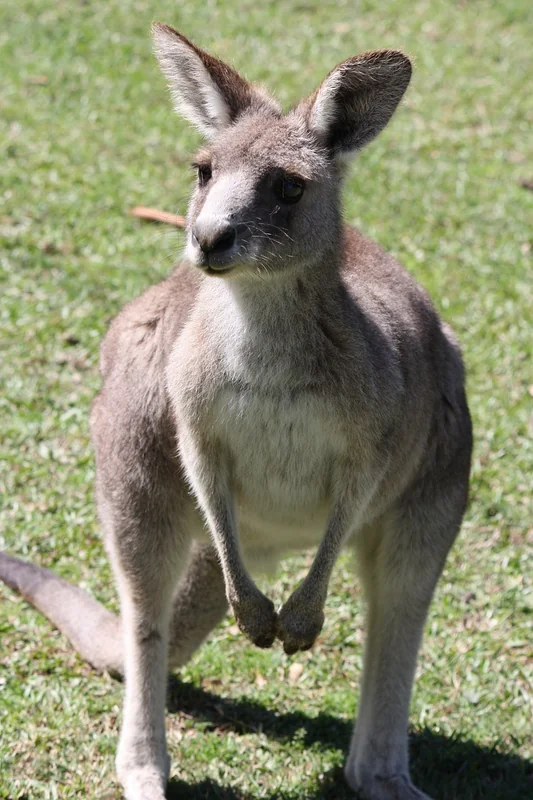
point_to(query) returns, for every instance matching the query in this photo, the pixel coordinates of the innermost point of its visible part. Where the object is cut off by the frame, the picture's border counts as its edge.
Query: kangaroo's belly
(281, 452)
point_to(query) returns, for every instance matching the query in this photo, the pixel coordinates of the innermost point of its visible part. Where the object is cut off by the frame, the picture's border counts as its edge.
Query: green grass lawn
(86, 132)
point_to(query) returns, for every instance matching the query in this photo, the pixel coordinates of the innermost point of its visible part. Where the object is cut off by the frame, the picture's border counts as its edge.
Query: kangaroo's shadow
(447, 768)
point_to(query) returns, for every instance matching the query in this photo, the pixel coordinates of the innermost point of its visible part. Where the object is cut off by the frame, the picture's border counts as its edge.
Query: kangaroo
(288, 386)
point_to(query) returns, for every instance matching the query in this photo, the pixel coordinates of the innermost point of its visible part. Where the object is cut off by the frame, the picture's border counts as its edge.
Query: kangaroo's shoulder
(367, 268)
(385, 290)
(133, 401)
(145, 329)
(400, 308)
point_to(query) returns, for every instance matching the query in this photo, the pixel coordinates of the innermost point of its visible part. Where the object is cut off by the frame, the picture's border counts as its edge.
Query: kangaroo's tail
(95, 632)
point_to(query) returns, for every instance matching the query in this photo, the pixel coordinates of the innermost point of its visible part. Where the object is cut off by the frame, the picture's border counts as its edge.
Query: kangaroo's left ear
(205, 90)
(357, 99)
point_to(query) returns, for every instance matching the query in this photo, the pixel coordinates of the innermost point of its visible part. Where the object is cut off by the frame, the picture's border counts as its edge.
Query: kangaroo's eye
(290, 189)
(204, 173)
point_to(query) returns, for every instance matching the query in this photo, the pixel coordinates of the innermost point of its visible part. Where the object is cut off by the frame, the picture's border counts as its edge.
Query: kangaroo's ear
(357, 99)
(207, 92)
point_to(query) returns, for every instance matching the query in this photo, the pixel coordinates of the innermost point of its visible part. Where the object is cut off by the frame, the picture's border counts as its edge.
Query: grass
(86, 132)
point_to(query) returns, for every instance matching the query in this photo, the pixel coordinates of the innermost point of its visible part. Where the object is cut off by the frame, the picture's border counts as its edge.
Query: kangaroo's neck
(272, 332)
(276, 303)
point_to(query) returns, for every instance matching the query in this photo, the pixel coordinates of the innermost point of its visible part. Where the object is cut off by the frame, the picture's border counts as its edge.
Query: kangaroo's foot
(382, 787)
(142, 778)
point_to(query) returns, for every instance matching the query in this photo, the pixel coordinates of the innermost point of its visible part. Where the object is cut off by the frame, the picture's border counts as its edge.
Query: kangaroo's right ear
(207, 92)
(357, 99)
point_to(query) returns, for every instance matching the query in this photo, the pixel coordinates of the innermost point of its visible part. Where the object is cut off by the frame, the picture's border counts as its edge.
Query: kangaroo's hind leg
(400, 563)
(144, 508)
(148, 552)
(198, 605)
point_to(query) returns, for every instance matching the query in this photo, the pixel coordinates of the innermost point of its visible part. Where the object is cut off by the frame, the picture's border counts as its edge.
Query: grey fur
(296, 389)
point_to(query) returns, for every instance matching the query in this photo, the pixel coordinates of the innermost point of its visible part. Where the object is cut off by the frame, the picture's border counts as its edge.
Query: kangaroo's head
(267, 197)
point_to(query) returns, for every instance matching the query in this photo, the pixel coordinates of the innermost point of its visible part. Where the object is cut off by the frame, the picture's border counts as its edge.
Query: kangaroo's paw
(256, 617)
(299, 623)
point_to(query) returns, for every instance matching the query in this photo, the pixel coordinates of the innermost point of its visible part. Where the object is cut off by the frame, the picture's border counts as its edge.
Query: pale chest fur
(281, 451)
(278, 433)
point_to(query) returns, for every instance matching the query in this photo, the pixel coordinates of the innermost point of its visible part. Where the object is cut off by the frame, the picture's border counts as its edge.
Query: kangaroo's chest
(281, 446)
(271, 413)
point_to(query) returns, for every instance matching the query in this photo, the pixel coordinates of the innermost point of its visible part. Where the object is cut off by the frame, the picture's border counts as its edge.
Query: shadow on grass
(448, 768)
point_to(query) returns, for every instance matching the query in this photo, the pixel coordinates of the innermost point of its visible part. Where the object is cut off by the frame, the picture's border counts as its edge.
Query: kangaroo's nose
(214, 239)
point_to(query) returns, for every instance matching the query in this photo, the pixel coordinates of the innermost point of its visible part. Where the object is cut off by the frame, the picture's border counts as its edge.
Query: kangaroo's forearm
(253, 611)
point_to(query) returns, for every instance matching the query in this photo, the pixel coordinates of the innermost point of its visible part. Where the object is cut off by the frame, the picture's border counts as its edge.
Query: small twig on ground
(154, 215)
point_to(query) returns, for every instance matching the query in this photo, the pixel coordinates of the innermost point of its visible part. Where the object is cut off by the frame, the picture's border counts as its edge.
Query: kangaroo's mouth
(212, 264)
(212, 271)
